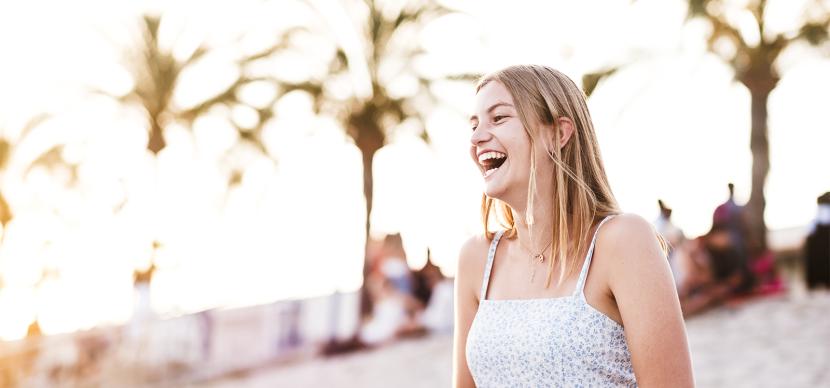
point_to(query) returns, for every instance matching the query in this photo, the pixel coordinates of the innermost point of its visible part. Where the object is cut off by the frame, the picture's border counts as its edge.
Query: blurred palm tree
(387, 89)
(10, 145)
(754, 65)
(7, 148)
(51, 158)
(751, 50)
(157, 74)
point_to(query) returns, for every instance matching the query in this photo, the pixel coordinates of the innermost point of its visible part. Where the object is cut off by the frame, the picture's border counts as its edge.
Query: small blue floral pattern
(547, 342)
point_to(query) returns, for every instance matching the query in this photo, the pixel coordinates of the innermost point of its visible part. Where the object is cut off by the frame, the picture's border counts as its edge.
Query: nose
(480, 135)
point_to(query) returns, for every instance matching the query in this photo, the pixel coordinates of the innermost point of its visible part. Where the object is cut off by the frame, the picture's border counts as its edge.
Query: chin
(493, 193)
(496, 191)
(508, 192)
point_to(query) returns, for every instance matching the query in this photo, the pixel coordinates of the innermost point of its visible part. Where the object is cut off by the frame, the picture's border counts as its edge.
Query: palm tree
(157, 73)
(50, 159)
(373, 110)
(8, 146)
(754, 64)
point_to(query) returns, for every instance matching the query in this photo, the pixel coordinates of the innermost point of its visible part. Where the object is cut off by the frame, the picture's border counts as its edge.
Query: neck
(535, 236)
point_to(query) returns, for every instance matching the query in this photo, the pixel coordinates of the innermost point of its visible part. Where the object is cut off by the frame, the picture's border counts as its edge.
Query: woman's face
(500, 146)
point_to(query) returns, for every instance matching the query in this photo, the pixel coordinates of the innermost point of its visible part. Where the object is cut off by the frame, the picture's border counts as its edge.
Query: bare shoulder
(644, 291)
(624, 227)
(471, 261)
(631, 240)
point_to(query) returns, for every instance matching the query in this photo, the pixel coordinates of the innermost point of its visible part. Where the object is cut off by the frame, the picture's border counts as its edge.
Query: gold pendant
(541, 259)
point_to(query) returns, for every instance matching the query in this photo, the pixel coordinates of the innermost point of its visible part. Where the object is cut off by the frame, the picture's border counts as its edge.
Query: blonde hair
(581, 193)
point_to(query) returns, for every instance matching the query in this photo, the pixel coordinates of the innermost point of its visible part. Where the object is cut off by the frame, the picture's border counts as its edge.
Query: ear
(566, 130)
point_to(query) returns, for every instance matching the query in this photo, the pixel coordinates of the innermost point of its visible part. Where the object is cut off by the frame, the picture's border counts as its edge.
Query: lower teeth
(490, 172)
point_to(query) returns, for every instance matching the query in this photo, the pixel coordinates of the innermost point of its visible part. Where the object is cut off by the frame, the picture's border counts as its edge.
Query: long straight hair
(581, 193)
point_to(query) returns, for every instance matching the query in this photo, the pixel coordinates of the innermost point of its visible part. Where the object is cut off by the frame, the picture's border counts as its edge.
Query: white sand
(775, 342)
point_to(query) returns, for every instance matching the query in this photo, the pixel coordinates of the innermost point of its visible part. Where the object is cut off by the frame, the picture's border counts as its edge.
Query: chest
(512, 340)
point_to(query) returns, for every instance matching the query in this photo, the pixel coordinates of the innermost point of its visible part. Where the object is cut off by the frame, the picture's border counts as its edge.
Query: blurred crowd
(403, 302)
(727, 264)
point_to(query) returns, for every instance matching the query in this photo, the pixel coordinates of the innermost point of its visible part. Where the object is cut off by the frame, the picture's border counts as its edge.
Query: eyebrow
(490, 109)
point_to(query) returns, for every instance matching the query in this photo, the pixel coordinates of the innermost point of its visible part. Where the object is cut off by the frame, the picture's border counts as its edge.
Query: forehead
(490, 94)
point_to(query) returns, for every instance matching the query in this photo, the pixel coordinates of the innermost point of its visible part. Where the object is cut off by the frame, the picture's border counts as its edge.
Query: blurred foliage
(8, 146)
(157, 74)
(591, 80)
(50, 159)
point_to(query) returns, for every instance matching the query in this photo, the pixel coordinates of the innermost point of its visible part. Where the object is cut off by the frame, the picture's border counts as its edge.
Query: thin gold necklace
(540, 257)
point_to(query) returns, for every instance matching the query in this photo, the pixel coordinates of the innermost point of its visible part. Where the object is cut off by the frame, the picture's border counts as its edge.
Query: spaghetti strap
(490, 255)
(580, 284)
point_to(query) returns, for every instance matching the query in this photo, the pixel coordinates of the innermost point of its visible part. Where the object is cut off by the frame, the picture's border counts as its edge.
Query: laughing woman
(570, 292)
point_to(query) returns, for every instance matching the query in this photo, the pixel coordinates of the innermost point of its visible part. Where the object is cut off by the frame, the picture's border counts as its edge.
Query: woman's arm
(468, 276)
(645, 293)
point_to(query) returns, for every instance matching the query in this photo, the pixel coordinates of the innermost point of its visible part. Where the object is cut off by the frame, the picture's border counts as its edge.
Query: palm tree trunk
(760, 78)
(365, 300)
(759, 144)
(156, 141)
(369, 140)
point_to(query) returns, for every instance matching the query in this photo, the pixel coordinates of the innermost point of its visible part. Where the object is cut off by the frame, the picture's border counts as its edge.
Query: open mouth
(491, 161)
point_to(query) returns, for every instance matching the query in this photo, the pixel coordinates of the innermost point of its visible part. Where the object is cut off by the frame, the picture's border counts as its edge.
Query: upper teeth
(490, 155)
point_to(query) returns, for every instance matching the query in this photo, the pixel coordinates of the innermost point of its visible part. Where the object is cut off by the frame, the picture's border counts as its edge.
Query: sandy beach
(781, 341)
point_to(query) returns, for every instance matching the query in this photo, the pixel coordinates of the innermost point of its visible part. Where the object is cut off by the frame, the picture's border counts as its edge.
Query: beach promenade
(781, 341)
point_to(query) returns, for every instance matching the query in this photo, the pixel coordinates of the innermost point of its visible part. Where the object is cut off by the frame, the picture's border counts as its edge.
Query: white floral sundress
(546, 342)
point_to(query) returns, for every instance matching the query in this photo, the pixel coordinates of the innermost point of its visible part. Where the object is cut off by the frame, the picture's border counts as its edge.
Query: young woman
(528, 310)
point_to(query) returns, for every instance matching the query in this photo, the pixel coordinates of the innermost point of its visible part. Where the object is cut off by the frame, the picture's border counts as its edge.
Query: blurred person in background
(620, 323)
(715, 265)
(393, 264)
(711, 272)
(395, 309)
(393, 315)
(142, 309)
(817, 246)
(718, 267)
(422, 280)
(729, 215)
(729, 221)
(730, 230)
(673, 235)
(435, 291)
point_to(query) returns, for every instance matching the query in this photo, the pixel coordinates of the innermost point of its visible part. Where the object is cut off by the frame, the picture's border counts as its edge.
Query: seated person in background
(439, 290)
(712, 271)
(391, 317)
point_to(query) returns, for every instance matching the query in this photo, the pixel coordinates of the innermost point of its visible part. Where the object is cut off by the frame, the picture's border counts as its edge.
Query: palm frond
(5, 152)
(7, 146)
(815, 32)
(591, 80)
(5, 212)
